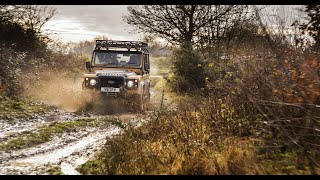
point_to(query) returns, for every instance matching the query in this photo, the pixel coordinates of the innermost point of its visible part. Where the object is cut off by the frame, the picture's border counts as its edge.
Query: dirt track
(65, 151)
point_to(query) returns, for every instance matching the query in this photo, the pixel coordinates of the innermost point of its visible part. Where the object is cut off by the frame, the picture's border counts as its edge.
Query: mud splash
(66, 93)
(59, 90)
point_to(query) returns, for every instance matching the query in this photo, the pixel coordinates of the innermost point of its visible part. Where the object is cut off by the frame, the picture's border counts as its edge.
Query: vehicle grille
(112, 82)
(113, 94)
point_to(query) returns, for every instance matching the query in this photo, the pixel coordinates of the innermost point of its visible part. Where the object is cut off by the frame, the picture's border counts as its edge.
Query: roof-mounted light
(129, 46)
(98, 45)
(137, 47)
(106, 44)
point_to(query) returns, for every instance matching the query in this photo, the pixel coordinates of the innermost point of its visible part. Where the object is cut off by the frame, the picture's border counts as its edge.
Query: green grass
(45, 133)
(11, 109)
(54, 170)
(92, 167)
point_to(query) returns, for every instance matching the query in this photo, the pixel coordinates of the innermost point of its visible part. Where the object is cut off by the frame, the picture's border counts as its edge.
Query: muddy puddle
(67, 151)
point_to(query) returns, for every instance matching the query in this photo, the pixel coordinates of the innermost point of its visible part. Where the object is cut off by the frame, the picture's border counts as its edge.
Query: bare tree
(7, 12)
(179, 24)
(34, 17)
(312, 27)
(217, 35)
(30, 17)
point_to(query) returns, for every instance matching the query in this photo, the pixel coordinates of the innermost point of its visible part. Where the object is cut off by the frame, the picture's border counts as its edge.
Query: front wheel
(141, 104)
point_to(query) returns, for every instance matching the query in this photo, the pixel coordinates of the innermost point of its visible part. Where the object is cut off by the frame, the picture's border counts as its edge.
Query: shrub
(188, 71)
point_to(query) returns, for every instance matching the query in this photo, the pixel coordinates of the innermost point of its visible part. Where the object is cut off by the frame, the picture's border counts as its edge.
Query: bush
(11, 64)
(203, 137)
(283, 93)
(241, 127)
(188, 71)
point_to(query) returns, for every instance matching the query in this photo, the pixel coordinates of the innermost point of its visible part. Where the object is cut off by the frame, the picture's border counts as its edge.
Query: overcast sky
(84, 22)
(81, 22)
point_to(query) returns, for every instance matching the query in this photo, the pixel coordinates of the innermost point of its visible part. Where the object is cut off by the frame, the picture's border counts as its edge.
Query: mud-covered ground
(73, 139)
(66, 150)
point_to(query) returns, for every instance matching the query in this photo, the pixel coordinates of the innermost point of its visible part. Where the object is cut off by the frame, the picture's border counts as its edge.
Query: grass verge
(54, 170)
(212, 137)
(12, 109)
(176, 142)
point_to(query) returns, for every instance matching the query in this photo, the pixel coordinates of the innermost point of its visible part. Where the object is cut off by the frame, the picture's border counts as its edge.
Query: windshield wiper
(123, 65)
(109, 64)
(129, 64)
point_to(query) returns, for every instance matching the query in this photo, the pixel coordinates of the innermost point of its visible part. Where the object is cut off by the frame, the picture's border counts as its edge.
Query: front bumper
(112, 86)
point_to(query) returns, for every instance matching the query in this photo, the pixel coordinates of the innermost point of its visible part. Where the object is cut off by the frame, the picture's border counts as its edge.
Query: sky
(84, 22)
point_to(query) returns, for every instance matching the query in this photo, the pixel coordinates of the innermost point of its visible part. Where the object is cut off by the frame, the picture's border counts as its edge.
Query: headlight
(130, 84)
(93, 82)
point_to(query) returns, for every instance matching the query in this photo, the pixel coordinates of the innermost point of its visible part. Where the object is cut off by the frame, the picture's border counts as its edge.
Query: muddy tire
(141, 104)
(146, 103)
(137, 103)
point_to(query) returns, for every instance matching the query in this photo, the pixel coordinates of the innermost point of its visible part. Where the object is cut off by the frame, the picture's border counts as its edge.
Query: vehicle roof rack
(106, 44)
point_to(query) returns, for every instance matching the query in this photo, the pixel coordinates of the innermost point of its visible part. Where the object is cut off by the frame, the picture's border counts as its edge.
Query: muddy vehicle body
(120, 69)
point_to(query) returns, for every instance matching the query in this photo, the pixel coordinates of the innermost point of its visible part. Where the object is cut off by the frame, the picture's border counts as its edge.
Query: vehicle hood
(124, 73)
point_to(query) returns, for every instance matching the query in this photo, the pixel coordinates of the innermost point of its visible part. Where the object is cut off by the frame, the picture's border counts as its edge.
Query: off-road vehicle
(120, 69)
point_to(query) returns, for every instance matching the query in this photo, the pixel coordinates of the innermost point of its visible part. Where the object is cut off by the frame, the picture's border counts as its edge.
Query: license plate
(109, 89)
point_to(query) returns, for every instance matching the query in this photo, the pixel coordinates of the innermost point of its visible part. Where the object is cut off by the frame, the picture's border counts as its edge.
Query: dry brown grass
(177, 142)
(241, 127)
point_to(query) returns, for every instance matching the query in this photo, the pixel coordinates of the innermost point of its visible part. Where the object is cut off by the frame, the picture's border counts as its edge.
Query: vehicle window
(106, 58)
(121, 58)
(134, 59)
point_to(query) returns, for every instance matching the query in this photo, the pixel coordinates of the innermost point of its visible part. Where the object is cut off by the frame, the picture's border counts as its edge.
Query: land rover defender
(120, 69)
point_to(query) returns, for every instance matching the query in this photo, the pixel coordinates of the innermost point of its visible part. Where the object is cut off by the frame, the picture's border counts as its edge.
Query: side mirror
(147, 66)
(88, 65)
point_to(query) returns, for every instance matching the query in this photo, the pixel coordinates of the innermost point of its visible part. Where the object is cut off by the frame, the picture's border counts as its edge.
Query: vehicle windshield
(117, 58)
